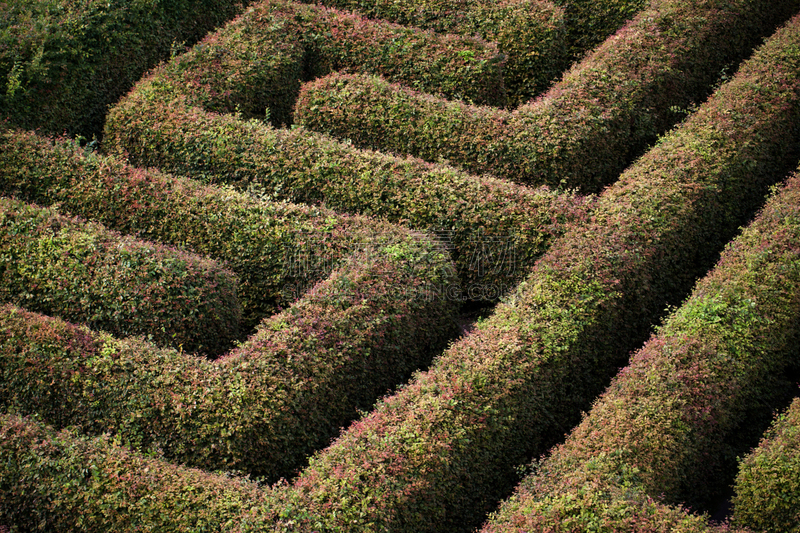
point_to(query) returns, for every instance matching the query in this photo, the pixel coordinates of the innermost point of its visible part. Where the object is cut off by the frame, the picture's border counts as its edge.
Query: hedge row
(65, 482)
(586, 129)
(267, 404)
(531, 33)
(441, 452)
(259, 60)
(496, 229)
(539, 38)
(63, 62)
(276, 249)
(693, 398)
(84, 272)
(768, 484)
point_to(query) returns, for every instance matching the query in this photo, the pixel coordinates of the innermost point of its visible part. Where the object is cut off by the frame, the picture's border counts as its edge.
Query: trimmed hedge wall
(84, 272)
(484, 219)
(540, 38)
(768, 484)
(65, 482)
(586, 129)
(264, 406)
(453, 66)
(442, 451)
(63, 62)
(258, 60)
(277, 249)
(672, 422)
(531, 33)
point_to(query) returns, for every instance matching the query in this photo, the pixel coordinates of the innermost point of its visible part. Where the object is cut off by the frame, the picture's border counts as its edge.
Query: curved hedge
(264, 406)
(671, 424)
(768, 484)
(258, 60)
(540, 38)
(171, 121)
(276, 249)
(63, 62)
(84, 272)
(531, 33)
(66, 482)
(583, 131)
(439, 453)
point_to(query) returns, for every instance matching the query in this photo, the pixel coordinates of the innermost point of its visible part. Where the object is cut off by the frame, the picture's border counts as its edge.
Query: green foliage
(277, 249)
(531, 33)
(70, 483)
(172, 120)
(586, 128)
(768, 484)
(63, 62)
(284, 392)
(540, 38)
(666, 430)
(441, 452)
(382, 312)
(84, 272)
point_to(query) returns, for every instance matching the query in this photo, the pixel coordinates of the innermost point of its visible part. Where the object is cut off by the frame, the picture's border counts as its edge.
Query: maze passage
(82, 271)
(583, 131)
(670, 425)
(440, 452)
(497, 230)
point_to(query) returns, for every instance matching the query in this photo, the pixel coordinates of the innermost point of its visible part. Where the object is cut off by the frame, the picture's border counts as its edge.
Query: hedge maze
(239, 243)
(671, 422)
(585, 129)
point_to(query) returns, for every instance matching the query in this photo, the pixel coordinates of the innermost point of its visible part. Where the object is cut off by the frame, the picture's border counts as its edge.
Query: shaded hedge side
(63, 62)
(590, 22)
(670, 425)
(768, 484)
(586, 128)
(66, 482)
(84, 272)
(440, 453)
